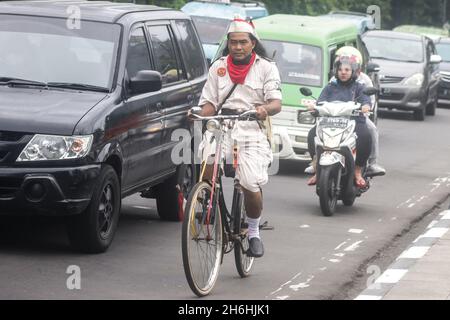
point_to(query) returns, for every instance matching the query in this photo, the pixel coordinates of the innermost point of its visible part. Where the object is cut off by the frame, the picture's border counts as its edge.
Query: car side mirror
(370, 91)
(435, 59)
(373, 67)
(146, 81)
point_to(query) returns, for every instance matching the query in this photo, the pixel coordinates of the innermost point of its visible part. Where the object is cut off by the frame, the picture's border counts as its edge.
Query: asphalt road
(308, 256)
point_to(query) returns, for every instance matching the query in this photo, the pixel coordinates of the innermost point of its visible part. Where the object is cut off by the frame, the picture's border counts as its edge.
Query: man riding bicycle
(244, 79)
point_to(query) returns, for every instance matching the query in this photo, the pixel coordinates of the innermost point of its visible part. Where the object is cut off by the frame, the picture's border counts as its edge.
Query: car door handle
(159, 106)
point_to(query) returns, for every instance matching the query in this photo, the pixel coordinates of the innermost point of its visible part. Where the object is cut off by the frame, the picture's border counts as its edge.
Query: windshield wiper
(9, 81)
(77, 86)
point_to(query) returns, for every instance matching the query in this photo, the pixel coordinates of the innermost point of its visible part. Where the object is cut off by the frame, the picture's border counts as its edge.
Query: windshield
(211, 30)
(395, 49)
(297, 63)
(46, 50)
(443, 50)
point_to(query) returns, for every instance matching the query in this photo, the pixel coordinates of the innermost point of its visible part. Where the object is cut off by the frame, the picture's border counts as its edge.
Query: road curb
(408, 258)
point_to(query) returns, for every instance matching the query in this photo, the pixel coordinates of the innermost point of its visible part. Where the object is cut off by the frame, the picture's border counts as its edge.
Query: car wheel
(431, 108)
(94, 229)
(170, 206)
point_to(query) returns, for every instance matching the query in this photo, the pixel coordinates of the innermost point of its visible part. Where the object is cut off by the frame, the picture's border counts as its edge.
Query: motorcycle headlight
(212, 125)
(47, 147)
(415, 80)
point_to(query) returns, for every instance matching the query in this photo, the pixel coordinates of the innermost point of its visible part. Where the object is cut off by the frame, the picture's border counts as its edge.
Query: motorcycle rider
(345, 87)
(373, 167)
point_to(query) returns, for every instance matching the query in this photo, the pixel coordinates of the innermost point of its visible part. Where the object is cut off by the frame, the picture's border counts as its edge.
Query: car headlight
(415, 80)
(306, 118)
(46, 147)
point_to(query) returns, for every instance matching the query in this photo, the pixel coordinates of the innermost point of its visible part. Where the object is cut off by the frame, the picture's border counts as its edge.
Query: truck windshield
(48, 50)
(297, 63)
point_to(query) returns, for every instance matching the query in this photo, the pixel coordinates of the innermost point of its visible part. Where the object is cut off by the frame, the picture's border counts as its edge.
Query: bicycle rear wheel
(244, 263)
(201, 241)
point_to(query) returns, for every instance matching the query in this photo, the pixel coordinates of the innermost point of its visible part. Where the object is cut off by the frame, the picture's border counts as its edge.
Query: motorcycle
(336, 152)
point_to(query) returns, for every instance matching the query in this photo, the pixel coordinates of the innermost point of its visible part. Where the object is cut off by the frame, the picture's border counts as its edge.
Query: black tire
(193, 235)
(243, 262)
(431, 108)
(326, 189)
(419, 115)
(94, 229)
(167, 192)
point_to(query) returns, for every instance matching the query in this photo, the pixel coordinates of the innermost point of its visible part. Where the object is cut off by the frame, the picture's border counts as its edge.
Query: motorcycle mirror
(306, 92)
(370, 91)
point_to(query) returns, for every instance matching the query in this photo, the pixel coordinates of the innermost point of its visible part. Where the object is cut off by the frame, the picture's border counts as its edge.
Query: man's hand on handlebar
(261, 113)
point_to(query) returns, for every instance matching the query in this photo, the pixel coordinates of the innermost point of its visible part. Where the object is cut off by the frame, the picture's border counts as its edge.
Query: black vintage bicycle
(209, 229)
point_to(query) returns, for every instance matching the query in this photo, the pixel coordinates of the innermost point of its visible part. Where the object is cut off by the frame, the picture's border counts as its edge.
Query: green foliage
(393, 12)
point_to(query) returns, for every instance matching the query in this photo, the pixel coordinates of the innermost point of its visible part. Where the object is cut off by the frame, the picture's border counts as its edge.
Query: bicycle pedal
(265, 226)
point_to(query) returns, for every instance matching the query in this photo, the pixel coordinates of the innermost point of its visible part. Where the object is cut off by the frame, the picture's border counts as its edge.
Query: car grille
(392, 96)
(388, 79)
(11, 144)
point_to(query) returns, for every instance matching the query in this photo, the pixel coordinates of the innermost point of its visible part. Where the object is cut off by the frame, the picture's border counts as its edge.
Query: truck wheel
(170, 206)
(93, 230)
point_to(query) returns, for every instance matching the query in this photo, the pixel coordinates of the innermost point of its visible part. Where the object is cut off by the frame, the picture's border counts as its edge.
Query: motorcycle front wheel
(327, 189)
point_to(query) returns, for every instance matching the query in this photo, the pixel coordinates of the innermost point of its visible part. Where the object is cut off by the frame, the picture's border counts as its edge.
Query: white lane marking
(286, 283)
(367, 297)
(323, 268)
(144, 208)
(282, 298)
(445, 215)
(380, 220)
(432, 224)
(340, 246)
(391, 276)
(302, 285)
(435, 233)
(354, 246)
(305, 226)
(394, 218)
(340, 255)
(411, 205)
(414, 253)
(334, 260)
(356, 231)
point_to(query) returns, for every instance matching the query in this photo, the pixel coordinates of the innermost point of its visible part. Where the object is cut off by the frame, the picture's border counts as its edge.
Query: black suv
(88, 108)
(409, 75)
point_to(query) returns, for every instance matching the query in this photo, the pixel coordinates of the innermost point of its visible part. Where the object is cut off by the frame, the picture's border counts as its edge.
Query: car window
(45, 50)
(138, 57)
(211, 30)
(190, 45)
(395, 49)
(164, 54)
(443, 50)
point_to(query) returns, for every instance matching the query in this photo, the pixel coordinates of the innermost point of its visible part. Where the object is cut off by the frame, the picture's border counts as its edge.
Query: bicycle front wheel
(202, 240)
(244, 263)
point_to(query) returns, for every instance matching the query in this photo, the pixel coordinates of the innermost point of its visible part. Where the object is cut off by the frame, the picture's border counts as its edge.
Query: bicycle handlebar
(247, 115)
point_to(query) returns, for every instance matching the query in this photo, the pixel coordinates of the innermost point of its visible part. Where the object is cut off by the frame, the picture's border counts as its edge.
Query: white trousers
(253, 153)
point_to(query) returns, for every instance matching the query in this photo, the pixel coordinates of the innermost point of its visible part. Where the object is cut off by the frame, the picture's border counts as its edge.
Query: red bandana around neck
(238, 73)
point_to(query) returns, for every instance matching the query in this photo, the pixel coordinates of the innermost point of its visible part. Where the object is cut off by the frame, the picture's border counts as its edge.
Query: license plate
(340, 123)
